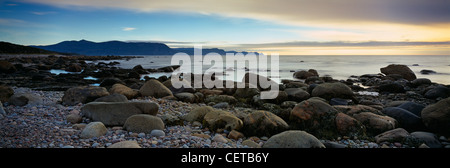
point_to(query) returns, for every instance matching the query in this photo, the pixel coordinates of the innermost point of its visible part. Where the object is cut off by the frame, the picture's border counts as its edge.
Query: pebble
(45, 126)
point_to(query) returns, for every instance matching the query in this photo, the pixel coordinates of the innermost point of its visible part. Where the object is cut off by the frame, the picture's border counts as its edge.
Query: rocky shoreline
(389, 109)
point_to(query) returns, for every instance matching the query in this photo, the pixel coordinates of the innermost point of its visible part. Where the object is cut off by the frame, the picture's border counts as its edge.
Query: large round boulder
(436, 117)
(83, 94)
(402, 70)
(143, 123)
(263, 123)
(293, 139)
(154, 88)
(315, 117)
(93, 129)
(332, 90)
(124, 90)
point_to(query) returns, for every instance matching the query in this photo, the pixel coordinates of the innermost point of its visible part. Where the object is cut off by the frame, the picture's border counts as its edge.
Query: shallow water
(336, 66)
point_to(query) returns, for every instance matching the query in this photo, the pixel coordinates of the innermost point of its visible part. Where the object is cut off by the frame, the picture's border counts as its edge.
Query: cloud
(43, 13)
(297, 12)
(128, 29)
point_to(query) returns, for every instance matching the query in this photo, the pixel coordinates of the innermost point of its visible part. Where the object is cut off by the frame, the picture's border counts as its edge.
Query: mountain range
(84, 47)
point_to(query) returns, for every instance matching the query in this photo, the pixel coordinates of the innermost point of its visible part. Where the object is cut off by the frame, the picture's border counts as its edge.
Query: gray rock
(402, 70)
(116, 113)
(406, 119)
(412, 107)
(297, 94)
(438, 91)
(124, 90)
(125, 144)
(430, 139)
(93, 129)
(395, 135)
(186, 97)
(143, 123)
(154, 88)
(22, 99)
(83, 94)
(157, 133)
(112, 98)
(436, 117)
(263, 123)
(293, 139)
(332, 90)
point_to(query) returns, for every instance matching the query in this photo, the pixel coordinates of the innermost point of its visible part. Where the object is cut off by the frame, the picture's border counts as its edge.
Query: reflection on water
(59, 71)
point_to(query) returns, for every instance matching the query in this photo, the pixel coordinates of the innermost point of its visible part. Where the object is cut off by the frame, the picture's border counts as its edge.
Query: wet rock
(391, 88)
(7, 67)
(314, 116)
(428, 138)
(263, 123)
(74, 68)
(124, 90)
(22, 99)
(427, 71)
(186, 97)
(5, 93)
(93, 129)
(198, 113)
(412, 107)
(438, 92)
(219, 119)
(356, 109)
(83, 94)
(297, 94)
(125, 144)
(338, 101)
(154, 88)
(332, 90)
(376, 124)
(293, 139)
(421, 81)
(304, 74)
(348, 126)
(143, 123)
(247, 92)
(116, 113)
(112, 98)
(405, 119)
(402, 70)
(395, 135)
(436, 117)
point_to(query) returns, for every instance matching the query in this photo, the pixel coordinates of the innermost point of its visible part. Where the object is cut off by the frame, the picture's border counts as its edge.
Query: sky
(286, 27)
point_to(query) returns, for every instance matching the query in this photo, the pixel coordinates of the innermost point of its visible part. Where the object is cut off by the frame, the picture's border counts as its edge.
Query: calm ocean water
(336, 66)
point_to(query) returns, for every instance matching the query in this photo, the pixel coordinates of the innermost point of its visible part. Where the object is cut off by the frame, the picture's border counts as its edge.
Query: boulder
(402, 70)
(428, 138)
(263, 123)
(125, 144)
(259, 79)
(348, 126)
(116, 113)
(186, 97)
(219, 119)
(420, 81)
(314, 116)
(391, 88)
(5, 93)
(168, 84)
(332, 90)
(22, 99)
(436, 117)
(296, 94)
(143, 123)
(93, 129)
(412, 107)
(108, 82)
(154, 88)
(438, 91)
(405, 119)
(83, 94)
(74, 68)
(247, 92)
(198, 113)
(7, 67)
(395, 135)
(356, 109)
(376, 124)
(74, 118)
(303, 74)
(427, 72)
(293, 139)
(124, 90)
(112, 98)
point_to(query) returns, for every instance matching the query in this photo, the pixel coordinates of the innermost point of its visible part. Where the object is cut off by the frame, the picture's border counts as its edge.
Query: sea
(340, 67)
